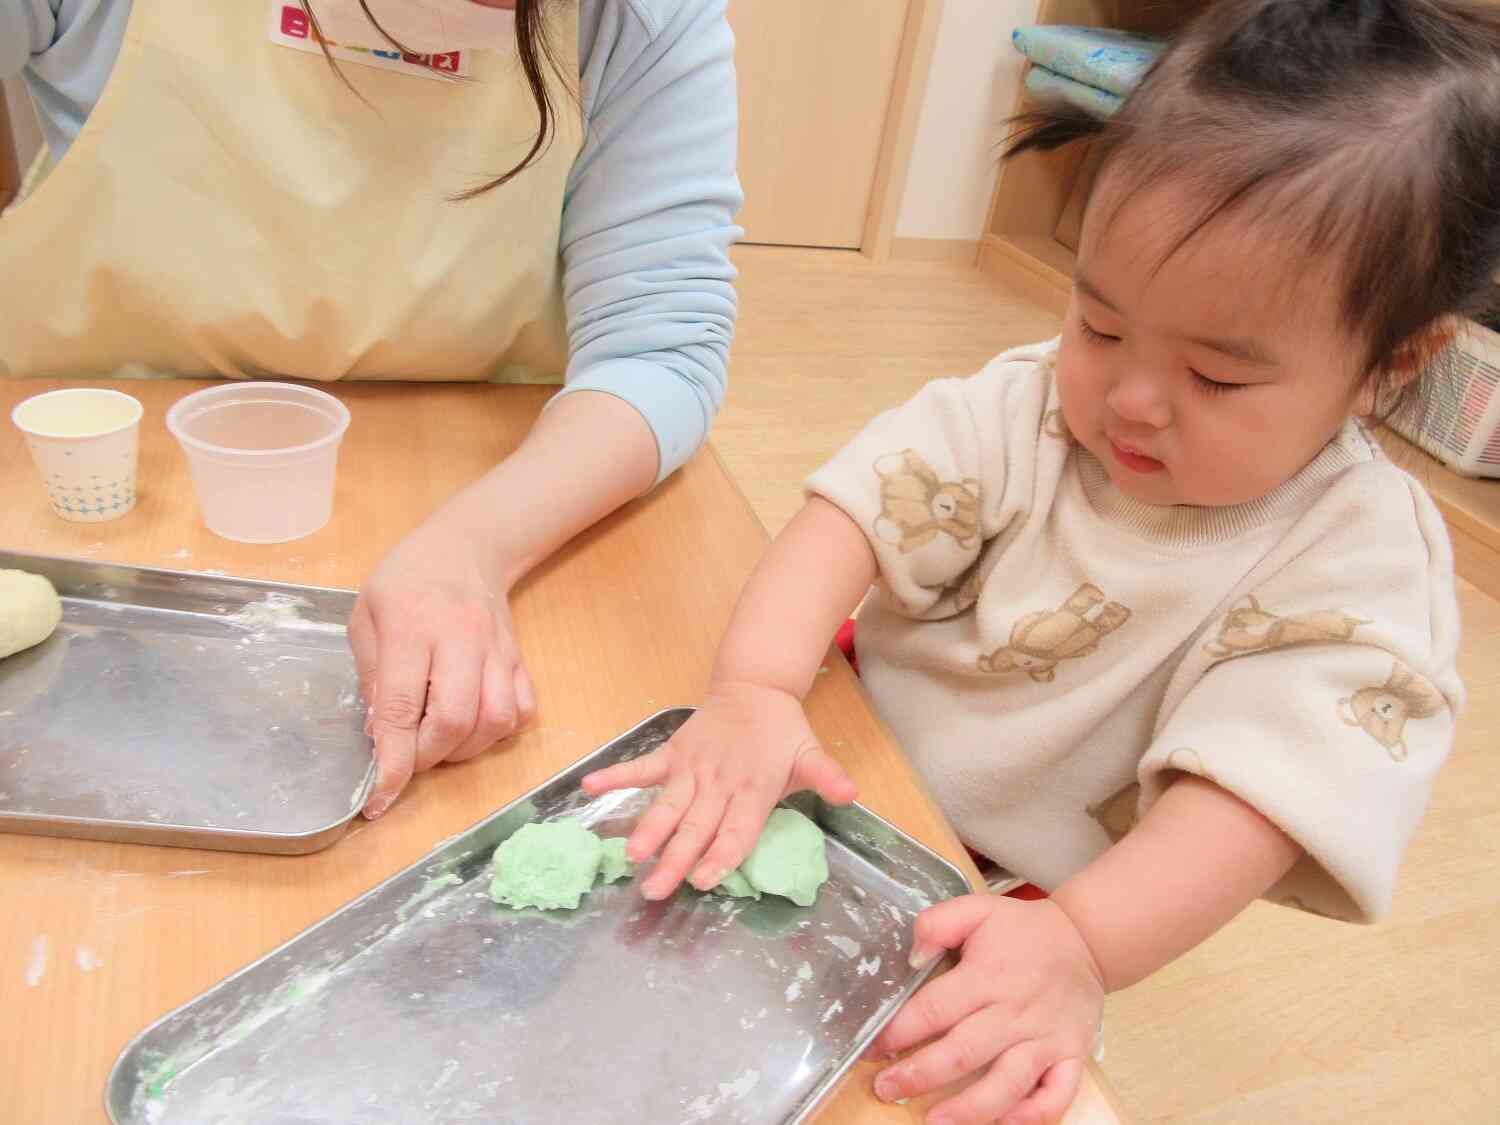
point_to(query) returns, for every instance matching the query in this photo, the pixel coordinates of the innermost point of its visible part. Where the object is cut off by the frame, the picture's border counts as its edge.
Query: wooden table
(621, 623)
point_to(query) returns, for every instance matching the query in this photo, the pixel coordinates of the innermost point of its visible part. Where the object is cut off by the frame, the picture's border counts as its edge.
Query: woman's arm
(432, 637)
(68, 50)
(646, 228)
(587, 455)
(27, 27)
(649, 215)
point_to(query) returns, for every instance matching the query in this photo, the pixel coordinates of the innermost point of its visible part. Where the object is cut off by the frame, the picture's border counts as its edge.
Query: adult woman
(228, 203)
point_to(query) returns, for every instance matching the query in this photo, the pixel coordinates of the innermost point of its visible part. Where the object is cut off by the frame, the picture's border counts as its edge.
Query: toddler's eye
(1213, 386)
(1093, 335)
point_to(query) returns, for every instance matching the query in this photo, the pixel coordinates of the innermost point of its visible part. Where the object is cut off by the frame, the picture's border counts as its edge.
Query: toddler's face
(1211, 379)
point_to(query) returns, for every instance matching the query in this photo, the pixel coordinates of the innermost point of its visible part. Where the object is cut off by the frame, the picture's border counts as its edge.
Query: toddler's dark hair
(1367, 130)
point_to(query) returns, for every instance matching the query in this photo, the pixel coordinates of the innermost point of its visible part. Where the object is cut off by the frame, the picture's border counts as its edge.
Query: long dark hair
(1368, 130)
(533, 47)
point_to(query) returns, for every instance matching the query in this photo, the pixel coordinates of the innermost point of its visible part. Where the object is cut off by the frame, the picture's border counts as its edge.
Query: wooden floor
(1281, 1017)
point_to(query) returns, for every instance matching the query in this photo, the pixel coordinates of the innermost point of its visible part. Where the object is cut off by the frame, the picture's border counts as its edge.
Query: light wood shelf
(1038, 199)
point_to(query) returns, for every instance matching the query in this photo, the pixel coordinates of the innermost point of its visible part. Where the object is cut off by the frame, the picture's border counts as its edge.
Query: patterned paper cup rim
(20, 416)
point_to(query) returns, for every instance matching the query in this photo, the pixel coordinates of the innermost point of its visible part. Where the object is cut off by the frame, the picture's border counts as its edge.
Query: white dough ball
(29, 610)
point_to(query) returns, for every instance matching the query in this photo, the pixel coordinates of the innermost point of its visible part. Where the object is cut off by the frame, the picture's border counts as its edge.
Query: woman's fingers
(364, 644)
(497, 710)
(452, 703)
(525, 697)
(401, 678)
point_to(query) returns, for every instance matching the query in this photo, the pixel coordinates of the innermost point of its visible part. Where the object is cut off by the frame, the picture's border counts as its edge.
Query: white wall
(970, 89)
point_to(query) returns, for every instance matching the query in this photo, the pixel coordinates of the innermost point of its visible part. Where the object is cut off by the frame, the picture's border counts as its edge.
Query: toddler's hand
(1022, 1007)
(723, 772)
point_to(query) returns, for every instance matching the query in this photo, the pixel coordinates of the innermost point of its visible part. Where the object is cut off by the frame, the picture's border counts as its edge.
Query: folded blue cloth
(1110, 60)
(1048, 88)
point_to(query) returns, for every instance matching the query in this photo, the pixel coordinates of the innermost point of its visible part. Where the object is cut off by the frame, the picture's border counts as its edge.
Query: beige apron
(231, 207)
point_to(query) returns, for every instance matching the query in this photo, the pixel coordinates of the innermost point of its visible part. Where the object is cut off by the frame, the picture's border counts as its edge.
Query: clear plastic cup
(85, 443)
(263, 457)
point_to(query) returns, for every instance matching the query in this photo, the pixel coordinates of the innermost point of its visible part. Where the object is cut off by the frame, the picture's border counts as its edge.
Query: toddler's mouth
(1133, 459)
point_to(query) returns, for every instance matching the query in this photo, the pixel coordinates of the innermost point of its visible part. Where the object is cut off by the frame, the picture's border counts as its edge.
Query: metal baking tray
(189, 709)
(424, 1001)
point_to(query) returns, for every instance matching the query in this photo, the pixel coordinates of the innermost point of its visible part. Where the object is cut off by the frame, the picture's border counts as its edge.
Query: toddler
(1158, 623)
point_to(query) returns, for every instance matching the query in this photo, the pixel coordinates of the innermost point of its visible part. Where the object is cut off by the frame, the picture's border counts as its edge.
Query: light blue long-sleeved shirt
(648, 216)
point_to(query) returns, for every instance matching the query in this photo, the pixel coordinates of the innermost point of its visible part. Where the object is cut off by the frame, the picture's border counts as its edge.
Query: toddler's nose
(1140, 399)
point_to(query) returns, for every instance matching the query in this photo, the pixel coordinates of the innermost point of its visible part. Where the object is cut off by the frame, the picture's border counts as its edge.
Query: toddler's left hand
(1023, 1005)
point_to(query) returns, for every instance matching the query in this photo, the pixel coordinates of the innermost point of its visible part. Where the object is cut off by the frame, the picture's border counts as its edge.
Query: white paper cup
(263, 457)
(84, 442)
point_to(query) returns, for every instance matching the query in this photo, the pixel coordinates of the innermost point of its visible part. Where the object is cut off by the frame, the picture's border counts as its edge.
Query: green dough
(551, 865)
(615, 864)
(789, 860)
(735, 885)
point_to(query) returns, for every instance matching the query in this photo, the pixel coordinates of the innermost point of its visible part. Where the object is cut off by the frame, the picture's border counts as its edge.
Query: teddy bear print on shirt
(1248, 628)
(916, 506)
(1116, 814)
(1055, 425)
(965, 588)
(1042, 640)
(1382, 712)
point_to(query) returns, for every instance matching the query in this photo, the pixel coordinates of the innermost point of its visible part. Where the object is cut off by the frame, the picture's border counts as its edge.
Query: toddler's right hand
(722, 773)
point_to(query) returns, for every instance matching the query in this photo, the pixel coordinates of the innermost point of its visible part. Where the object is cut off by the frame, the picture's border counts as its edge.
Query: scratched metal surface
(183, 708)
(425, 1001)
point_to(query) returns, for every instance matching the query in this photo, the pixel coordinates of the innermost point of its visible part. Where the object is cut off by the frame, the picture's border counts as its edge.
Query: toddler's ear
(1408, 361)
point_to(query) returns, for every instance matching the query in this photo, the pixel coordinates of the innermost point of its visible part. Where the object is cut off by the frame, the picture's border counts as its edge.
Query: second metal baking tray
(180, 708)
(423, 1001)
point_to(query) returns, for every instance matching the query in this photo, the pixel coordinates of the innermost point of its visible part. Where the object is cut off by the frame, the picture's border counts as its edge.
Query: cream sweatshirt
(1051, 652)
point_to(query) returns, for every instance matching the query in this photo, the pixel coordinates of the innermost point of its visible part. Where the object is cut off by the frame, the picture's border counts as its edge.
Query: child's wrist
(730, 683)
(1072, 903)
(756, 675)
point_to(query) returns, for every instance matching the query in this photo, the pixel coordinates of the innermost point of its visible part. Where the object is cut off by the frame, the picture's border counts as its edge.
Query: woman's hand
(438, 663)
(1020, 1013)
(747, 747)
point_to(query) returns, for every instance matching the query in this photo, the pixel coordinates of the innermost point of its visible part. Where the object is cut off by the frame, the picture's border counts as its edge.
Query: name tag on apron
(290, 27)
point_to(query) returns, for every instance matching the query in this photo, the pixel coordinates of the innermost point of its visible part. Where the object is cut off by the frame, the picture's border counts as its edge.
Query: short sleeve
(1326, 698)
(927, 480)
